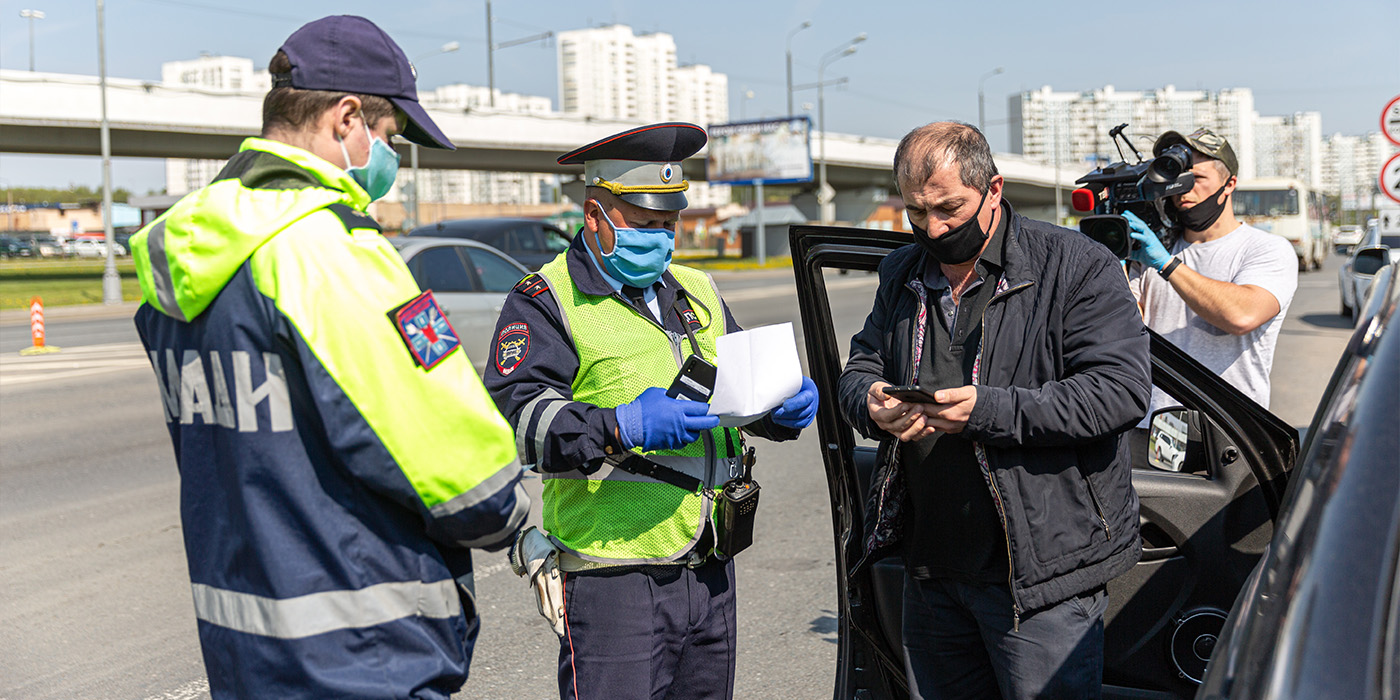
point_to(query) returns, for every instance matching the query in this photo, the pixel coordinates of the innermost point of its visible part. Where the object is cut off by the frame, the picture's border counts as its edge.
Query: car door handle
(1158, 553)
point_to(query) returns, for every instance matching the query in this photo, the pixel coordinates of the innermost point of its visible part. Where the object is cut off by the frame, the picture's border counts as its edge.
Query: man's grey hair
(932, 146)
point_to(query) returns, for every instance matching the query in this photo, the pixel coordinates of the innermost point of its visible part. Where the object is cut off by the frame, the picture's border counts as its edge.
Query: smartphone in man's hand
(910, 393)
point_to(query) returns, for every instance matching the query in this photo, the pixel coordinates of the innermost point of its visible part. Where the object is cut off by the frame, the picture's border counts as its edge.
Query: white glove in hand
(535, 557)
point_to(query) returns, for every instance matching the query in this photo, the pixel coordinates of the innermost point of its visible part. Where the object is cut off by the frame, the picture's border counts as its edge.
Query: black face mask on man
(1205, 213)
(957, 245)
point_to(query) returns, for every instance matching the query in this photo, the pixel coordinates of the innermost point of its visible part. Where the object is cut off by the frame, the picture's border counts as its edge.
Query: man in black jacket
(1010, 495)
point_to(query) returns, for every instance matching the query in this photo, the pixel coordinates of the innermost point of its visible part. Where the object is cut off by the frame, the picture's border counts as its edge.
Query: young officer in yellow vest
(584, 352)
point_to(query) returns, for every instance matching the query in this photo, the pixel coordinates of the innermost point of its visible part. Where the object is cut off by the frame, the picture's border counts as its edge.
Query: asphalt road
(94, 598)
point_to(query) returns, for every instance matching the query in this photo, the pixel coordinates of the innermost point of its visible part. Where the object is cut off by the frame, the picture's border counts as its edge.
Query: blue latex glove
(656, 421)
(1150, 250)
(799, 410)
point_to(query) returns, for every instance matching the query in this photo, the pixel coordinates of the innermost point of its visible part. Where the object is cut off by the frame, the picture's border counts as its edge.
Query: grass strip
(61, 282)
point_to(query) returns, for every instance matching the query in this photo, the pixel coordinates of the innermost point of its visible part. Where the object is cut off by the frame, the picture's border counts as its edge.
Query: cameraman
(1221, 292)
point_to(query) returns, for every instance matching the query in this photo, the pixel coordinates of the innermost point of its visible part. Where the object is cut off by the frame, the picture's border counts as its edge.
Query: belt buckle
(694, 560)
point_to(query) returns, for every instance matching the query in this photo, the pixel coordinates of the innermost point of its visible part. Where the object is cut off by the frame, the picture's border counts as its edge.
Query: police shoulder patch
(512, 345)
(532, 285)
(425, 330)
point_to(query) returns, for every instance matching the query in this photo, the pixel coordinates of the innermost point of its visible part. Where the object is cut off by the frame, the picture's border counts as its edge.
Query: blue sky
(921, 63)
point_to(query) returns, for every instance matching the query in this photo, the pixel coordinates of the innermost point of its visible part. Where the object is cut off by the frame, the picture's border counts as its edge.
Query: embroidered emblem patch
(512, 345)
(430, 338)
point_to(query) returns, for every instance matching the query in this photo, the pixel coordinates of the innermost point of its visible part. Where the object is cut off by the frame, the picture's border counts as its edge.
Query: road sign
(1390, 177)
(1390, 120)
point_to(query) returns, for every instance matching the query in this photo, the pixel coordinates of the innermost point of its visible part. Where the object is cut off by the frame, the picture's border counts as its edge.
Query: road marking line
(189, 691)
(79, 361)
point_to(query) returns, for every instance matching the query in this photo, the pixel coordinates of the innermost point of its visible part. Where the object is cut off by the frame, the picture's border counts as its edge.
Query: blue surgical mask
(639, 256)
(378, 173)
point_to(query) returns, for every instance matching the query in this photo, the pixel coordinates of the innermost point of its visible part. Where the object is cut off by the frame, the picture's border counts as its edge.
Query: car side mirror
(1168, 434)
(1370, 260)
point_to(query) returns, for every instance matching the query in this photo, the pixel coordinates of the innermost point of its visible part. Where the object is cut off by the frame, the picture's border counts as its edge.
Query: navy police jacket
(337, 452)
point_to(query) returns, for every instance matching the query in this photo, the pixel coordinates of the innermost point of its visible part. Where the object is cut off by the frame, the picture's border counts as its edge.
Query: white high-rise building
(702, 96)
(611, 73)
(1289, 146)
(1351, 167)
(1072, 127)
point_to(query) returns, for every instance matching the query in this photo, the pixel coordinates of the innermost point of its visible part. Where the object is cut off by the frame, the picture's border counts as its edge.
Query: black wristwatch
(1166, 270)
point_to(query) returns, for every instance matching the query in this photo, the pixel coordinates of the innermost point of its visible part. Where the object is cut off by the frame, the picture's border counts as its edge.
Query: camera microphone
(1082, 199)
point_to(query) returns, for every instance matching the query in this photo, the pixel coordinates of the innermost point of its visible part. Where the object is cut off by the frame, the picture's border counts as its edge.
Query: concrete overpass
(52, 113)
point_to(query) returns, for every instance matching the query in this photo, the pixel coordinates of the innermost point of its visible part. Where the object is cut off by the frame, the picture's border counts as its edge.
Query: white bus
(1291, 209)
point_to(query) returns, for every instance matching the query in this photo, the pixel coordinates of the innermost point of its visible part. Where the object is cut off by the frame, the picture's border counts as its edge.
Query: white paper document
(758, 370)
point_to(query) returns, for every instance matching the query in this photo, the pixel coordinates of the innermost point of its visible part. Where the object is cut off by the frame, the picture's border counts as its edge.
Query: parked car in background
(529, 241)
(470, 281)
(1347, 236)
(1320, 615)
(89, 248)
(1372, 253)
(11, 247)
(49, 247)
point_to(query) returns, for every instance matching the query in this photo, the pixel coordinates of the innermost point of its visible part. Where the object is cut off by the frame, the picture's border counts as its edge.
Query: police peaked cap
(642, 166)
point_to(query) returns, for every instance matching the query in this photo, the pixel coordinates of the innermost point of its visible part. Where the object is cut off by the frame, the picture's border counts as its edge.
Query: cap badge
(667, 173)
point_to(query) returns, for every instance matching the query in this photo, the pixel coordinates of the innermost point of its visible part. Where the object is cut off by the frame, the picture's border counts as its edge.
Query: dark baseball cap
(1203, 141)
(344, 53)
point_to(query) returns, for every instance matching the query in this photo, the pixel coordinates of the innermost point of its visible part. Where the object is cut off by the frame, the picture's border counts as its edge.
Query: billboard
(775, 151)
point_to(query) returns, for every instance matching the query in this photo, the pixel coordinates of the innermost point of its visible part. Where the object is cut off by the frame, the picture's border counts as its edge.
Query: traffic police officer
(582, 353)
(337, 452)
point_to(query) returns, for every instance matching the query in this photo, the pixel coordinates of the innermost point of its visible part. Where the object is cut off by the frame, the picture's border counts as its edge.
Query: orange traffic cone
(36, 329)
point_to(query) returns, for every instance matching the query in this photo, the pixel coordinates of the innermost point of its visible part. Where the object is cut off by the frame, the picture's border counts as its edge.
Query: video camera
(1141, 188)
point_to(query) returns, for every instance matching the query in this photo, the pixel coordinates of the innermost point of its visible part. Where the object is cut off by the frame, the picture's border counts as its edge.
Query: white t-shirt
(1246, 255)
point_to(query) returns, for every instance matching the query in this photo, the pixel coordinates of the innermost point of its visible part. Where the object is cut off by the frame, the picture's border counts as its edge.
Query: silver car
(1368, 257)
(470, 281)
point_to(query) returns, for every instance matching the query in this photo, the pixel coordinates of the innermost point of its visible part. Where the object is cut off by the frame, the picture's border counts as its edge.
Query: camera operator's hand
(1149, 250)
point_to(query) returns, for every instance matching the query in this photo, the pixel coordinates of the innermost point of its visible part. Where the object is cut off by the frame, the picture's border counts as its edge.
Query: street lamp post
(32, 15)
(410, 213)
(111, 282)
(491, 49)
(825, 197)
(981, 104)
(790, 35)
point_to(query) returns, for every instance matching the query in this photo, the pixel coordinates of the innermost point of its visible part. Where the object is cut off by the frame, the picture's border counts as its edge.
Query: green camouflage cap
(1203, 141)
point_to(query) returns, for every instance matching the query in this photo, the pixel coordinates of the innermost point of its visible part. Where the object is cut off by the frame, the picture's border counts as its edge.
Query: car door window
(497, 274)
(440, 269)
(525, 239)
(555, 241)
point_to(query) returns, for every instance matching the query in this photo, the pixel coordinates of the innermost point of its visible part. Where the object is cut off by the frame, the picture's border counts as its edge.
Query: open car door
(1209, 492)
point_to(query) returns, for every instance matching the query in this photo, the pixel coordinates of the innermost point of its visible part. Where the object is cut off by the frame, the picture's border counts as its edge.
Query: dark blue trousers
(959, 642)
(649, 633)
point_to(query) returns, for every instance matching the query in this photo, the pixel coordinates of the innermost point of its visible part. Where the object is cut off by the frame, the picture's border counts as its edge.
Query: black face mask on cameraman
(958, 245)
(1205, 213)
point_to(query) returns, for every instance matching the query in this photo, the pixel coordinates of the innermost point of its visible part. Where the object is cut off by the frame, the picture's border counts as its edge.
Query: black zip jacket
(1064, 370)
